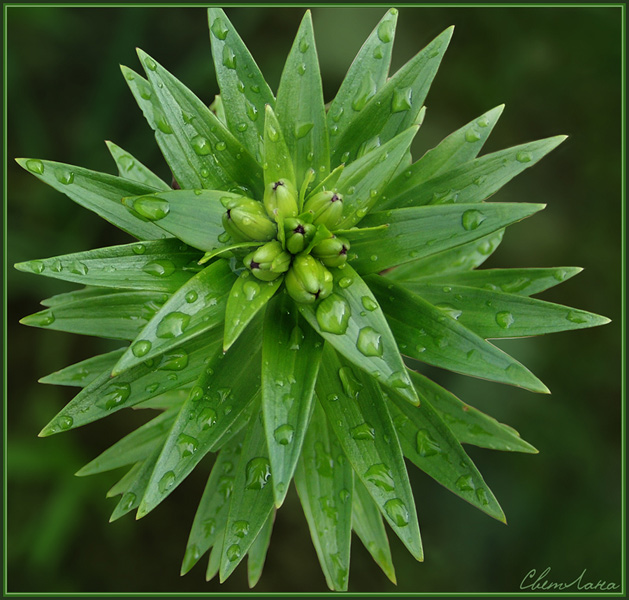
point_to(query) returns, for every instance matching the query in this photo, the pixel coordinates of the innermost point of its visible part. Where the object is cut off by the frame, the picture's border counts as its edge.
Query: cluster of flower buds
(280, 199)
(246, 220)
(326, 208)
(268, 262)
(308, 280)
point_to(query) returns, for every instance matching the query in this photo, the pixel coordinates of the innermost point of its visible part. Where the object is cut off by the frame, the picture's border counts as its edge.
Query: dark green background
(558, 70)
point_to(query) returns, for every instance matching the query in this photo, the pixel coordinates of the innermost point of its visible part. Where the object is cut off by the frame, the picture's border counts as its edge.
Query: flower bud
(308, 280)
(246, 221)
(280, 198)
(326, 208)
(268, 262)
(332, 252)
(298, 234)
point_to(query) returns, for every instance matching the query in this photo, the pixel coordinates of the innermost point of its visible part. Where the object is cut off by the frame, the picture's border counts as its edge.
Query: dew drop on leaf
(284, 434)
(64, 423)
(174, 361)
(118, 395)
(258, 473)
(35, 166)
(397, 511)
(402, 100)
(471, 219)
(250, 289)
(166, 482)
(302, 129)
(385, 31)
(172, 325)
(229, 58)
(241, 528)
(207, 418)
(575, 317)
(127, 501)
(333, 314)
(351, 385)
(471, 135)
(78, 268)
(465, 483)
(426, 444)
(219, 29)
(369, 342)
(201, 145)
(141, 348)
(161, 267)
(234, 552)
(363, 431)
(523, 157)
(369, 303)
(504, 319)
(65, 177)
(380, 476)
(139, 249)
(187, 444)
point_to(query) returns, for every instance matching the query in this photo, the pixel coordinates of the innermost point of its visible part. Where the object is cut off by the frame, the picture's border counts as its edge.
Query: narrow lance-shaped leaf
(131, 168)
(125, 481)
(300, 107)
(223, 391)
(359, 417)
(198, 306)
(244, 91)
(368, 525)
(258, 550)
(214, 505)
(473, 181)
(469, 425)
(163, 265)
(430, 335)
(325, 482)
(79, 295)
(107, 395)
(395, 107)
(413, 233)
(350, 319)
(366, 75)
(291, 352)
(251, 500)
(99, 192)
(83, 373)
(277, 162)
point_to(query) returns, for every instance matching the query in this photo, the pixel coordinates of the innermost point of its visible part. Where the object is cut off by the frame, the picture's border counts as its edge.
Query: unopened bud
(280, 199)
(332, 252)
(308, 280)
(326, 208)
(246, 220)
(298, 234)
(268, 262)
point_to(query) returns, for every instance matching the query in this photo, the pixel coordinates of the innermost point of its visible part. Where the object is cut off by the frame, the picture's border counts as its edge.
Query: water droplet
(303, 45)
(351, 385)
(225, 486)
(465, 483)
(219, 29)
(209, 527)
(345, 282)
(377, 52)
(78, 268)
(127, 501)
(284, 434)
(523, 157)
(344, 495)
(454, 312)
(229, 58)
(174, 361)
(65, 177)
(302, 129)
(576, 317)
(337, 114)
(172, 325)
(220, 146)
(150, 64)
(333, 314)
(296, 338)
(504, 319)
(258, 472)
(301, 69)
(366, 92)
(141, 348)
(37, 266)
(139, 249)
(369, 342)
(323, 461)
(151, 388)
(385, 31)
(161, 267)
(234, 552)
(380, 476)
(402, 100)
(397, 511)
(471, 135)
(35, 166)
(161, 121)
(471, 219)
(369, 303)
(241, 528)
(187, 445)
(118, 394)
(373, 258)
(399, 380)
(196, 393)
(426, 444)
(363, 432)
(64, 423)
(201, 145)
(207, 418)
(151, 208)
(166, 482)
(250, 289)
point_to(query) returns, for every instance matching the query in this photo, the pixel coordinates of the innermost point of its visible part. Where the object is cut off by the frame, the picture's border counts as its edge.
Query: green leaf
(198, 306)
(125, 481)
(214, 505)
(363, 181)
(458, 148)
(163, 265)
(358, 414)
(291, 352)
(131, 168)
(244, 92)
(469, 425)
(222, 392)
(114, 316)
(83, 373)
(430, 445)
(473, 181)
(300, 107)
(276, 154)
(210, 148)
(524, 282)
(431, 335)
(258, 550)
(79, 295)
(215, 556)
(107, 395)
(447, 262)
(99, 192)
(246, 298)
(135, 447)
(492, 314)
(251, 500)
(173, 398)
(325, 482)
(352, 322)
(366, 75)
(329, 183)
(174, 150)
(368, 525)
(421, 231)
(395, 107)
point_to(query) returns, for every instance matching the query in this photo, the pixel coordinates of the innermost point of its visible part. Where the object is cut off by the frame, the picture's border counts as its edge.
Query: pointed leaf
(83, 373)
(358, 414)
(352, 322)
(163, 265)
(277, 161)
(125, 481)
(291, 352)
(246, 298)
(215, 556)
(325, 482)
(366, 75)
(395, 107)
(421, 231)
(473, 181)
(368, 525)
(131, 168)
(78, 295)
(431, 335)
(198, 306)
(99, 192)
(258, 550)
(210, 148)
(300, 107)
(106, 395)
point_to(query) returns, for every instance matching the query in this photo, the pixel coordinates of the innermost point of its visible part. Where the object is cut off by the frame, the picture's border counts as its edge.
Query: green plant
(306, 244)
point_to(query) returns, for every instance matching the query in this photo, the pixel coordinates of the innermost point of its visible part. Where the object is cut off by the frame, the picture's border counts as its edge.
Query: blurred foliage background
(558, 70)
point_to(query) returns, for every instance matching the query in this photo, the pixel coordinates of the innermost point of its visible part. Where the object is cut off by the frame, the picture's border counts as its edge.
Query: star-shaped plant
(273, 298)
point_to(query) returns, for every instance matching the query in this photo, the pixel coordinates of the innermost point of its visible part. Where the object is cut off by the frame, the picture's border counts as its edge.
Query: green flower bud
(332, 252)
(268, 262)
(280, 198)
(326, 208)
(308, 280)
(298, 234)
(246, 221)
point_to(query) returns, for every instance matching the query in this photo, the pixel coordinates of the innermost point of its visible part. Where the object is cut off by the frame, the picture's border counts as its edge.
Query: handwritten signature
(534, 582)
